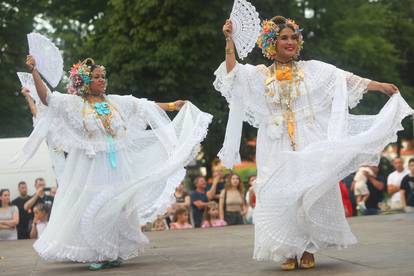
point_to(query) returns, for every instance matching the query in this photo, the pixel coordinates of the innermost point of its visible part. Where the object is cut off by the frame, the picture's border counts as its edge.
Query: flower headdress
(80, 77)
(269, 34)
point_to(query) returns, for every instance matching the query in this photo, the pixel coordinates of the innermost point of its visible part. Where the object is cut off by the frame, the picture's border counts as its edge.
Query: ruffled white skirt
(299, 206)
(98, 210)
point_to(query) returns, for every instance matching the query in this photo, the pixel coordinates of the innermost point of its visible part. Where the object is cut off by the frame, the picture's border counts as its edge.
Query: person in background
(199, 200)
(376, 189)
(180, 220)
(250, 198)
(159, 224)
(217, 185)
(40, 196)
(9, 217)
(232, 206)
(24, 216)
(211, 216)
(361, 188)
(182, 200)
(407, 189)
(345, 199)
(41, 217)
(394, 183)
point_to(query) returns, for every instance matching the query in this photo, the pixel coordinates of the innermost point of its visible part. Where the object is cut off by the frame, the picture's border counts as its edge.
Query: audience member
(394, 183)
(24, 216)
(182, 200)
(376, 188)
(217, 185)
(250, 199)
(9, 217)
(40, 196)
(181, 220)
(232, 206)
(159, 224)
(211, 216)
(199, 201)
(361, 191)
(41, 217)
(407, 189)
(345, 199)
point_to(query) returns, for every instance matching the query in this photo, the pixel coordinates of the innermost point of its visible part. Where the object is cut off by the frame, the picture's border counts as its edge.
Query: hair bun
(278, 19)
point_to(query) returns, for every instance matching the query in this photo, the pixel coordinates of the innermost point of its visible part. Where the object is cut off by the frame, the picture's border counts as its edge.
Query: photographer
(40, 196)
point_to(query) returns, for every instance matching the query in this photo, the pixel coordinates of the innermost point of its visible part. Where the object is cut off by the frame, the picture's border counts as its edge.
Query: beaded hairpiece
(269, 34)
(80, 77)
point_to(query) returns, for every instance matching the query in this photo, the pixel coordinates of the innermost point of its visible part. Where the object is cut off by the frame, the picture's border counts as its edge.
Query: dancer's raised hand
(30, 62)
(179, 104)
(227, 28)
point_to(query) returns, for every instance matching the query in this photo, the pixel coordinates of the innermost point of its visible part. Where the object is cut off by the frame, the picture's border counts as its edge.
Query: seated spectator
(376, 188)
(211, 216)
(407, 189)
(9, 217)
(181, 220)
(217, 185)
(250, 199)
(394, 183)
(40, 196)
(24, 216)
(199, 200)
(159, 224)
(182, 200)
(361, 188)
(41, 217)
(232, 206)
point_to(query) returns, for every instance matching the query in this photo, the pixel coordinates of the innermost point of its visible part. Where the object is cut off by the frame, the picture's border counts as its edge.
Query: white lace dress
(298, 198)
(108, 190)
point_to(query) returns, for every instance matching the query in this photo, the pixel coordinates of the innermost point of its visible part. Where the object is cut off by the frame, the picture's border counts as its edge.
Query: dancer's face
(287, 44)
(98, 81)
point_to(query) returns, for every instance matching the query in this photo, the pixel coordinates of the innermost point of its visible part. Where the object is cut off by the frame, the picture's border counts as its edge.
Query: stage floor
(386, 247)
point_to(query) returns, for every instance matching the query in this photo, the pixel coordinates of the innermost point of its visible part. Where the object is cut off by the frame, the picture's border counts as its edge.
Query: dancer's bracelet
(171, 106)
(229, 51)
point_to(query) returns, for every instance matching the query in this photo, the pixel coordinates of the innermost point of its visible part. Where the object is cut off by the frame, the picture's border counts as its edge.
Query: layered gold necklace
(283, 84)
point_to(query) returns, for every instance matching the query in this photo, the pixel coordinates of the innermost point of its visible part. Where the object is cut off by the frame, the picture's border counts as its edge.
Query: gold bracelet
(229, 51)
(171, 106)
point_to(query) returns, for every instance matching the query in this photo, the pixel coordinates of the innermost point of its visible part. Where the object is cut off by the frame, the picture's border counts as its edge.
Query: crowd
(220, 202)
(25, 217)
(369, 191)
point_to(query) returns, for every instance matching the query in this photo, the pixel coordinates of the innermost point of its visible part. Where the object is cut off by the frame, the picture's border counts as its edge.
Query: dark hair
(179, 212)
(21, 183)
(44, 208)
(39, 179)
(411, 160)
(281, 22)
(1, 194)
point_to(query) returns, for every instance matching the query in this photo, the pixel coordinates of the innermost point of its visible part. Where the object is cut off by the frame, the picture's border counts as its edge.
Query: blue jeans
(371, 211)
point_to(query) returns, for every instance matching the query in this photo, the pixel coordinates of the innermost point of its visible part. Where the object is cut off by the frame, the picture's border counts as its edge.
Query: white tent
(39, 166)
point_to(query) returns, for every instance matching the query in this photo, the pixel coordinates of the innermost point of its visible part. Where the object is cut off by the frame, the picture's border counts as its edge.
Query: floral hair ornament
(270, 33)
(80, 77)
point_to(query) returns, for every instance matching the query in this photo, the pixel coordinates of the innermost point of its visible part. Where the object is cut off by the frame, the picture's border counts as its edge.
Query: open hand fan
(27, 81)
(49, 61)
(246, 27)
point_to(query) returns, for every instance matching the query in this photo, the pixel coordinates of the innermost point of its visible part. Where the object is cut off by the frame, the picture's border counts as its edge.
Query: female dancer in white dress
(307, 141)
(118, 174)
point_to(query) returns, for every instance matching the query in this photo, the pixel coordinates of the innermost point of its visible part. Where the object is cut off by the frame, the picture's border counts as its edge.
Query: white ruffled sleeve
(356, 87)
(243, 89)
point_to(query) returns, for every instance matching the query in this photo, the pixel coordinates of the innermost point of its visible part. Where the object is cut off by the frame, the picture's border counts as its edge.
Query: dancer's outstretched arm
(386, 88)
(173, 106)
(230, 55)
(39, 84)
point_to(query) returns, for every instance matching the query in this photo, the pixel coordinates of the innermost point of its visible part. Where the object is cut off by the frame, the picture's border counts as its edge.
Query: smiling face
(287, 44)
(98, 81)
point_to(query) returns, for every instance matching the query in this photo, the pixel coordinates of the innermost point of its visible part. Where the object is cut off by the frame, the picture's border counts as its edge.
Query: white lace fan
(48, 58)
(27, 81)
(246, 27)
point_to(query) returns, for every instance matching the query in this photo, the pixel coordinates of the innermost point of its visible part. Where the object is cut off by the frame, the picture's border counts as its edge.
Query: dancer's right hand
(30, 62)
(25, 92)
(227, 28)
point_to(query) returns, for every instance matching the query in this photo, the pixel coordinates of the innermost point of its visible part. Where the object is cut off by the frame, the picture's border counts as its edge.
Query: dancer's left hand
(388, 88)
(179, 104)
